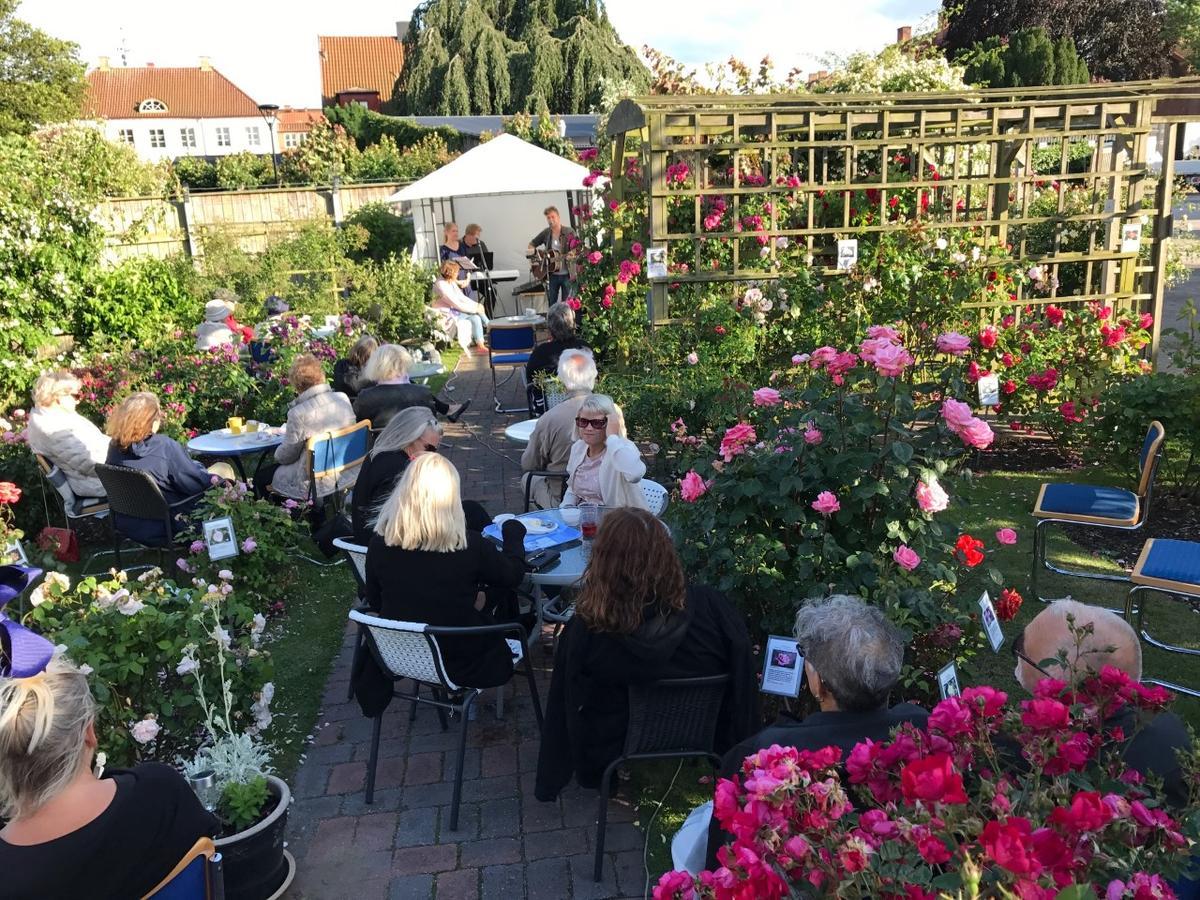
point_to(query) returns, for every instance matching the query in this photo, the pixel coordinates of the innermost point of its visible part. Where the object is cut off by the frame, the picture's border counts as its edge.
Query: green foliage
(41, 77)
(1048, 160)
(1183, 28)
(239, 171)
(1028, 57)
(242, 803)
(1128, 408)
(423, 157)
(109, 168)
(195, 172)
(368, 127)
(378, 162)
(321, 158)
(387, 233)
(392, 298)
(139, 299)
(892, 69)
(541, 131)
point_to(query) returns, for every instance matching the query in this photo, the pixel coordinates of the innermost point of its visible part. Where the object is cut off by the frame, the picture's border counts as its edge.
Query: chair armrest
(514, 628)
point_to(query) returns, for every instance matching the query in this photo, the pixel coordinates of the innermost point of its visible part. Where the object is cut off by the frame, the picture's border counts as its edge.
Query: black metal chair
(675, 718)
(133, 493)
(410, 650)
(527, 478)
(356, 554)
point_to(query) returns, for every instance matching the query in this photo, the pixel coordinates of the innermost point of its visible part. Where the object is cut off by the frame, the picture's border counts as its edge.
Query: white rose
(220, 635)
(130, 606)
(941, 244)
(225, 575)
(186, 666)
(145, 731)
(38, 595)
(58, 578)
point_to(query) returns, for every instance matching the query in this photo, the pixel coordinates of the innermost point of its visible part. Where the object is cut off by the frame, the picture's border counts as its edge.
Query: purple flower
(249, 545)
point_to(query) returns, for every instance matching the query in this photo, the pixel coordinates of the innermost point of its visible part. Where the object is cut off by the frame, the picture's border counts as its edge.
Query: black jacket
(376, 478)
(544, 357)
(587, 711)
(380, 402)
(179, 477)
(1153, 749)
(347, 378)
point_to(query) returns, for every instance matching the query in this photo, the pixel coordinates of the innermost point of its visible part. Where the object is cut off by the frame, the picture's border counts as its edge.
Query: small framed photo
(219, 536)
(991, 625)
(656, 262)
(1131, 237)
(948, 681)
(989, 390)
(14, 555)
(783, 668)
(333, 321)
(847, 257)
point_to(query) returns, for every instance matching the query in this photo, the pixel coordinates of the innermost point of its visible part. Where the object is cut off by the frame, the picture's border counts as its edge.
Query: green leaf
(902, 451)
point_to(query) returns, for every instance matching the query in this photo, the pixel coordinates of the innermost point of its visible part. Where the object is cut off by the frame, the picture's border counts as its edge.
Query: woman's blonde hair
(49, 387)
(42, 724)
(424, 511)
(133, 420)
(449, 270)
(604, 405)
(446, 229)
(306, 371)
(389, 362)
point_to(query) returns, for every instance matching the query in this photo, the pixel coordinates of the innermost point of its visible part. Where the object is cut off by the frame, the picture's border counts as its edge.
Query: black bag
(331, 529)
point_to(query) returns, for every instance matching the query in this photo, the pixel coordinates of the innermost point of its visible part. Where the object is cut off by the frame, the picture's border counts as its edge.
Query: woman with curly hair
(636, 621)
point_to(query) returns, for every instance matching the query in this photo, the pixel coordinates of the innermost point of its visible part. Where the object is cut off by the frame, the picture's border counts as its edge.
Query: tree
(1183, 28)
(1120, 40)
(41, 77)
(1029, 57)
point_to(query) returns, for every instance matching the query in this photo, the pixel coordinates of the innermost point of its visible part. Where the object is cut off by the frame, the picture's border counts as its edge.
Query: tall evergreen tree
(41, 77)
(455, 99)
(1029, 58)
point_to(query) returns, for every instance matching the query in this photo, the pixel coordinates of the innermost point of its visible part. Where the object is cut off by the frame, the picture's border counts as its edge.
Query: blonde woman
(605, 466)
(69, 832)
(465, 315)
(423, 565)
(63, 436)
(390, 390)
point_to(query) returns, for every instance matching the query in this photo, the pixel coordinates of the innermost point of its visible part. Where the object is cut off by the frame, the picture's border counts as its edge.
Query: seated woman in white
(466, 315)
(605, 466)
(63, 436)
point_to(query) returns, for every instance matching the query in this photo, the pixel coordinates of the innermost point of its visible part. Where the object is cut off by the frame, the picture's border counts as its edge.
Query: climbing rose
(692, 487)
(906, 558)
(766, 396)
(987, 337)
(826, 503)
(954, 343)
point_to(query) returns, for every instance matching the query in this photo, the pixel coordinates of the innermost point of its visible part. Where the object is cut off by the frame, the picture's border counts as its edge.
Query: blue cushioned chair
(1103, 507)
(509, 345)
(1165, 567)
(197, 876)
(331, 453)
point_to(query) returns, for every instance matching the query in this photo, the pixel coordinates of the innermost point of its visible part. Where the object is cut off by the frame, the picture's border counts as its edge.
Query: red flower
(1010, 387)
(987, 337)
(1045, 715)
(1054, 315)
(967, 549)
(1008, 845)
(9, 492)
(932, 779)
(992, 276)
(1145, 321)
(1009, 604)
(720, 329)
(1087, 812)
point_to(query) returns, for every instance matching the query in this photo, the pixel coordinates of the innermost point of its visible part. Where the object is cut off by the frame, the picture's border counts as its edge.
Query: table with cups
(239, 438)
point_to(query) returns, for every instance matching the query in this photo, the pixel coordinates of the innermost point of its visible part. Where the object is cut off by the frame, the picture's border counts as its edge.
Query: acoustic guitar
(545, 262)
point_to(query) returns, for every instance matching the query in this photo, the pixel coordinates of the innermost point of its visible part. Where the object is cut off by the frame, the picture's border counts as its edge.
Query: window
(223, 138)
(187, 138)
(293, 139)
(125, 136)
(158, 138)
(151, 105)
(252, 138)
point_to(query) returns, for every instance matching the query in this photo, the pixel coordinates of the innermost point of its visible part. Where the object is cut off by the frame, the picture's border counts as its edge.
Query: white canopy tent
(502, 185)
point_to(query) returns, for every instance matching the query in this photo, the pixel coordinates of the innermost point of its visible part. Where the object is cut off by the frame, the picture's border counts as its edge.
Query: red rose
(1008, 845)
(967, 549)
(9, 492)
(992, 276)
(1087, 812)
(720, 329)
(1010, 387)
(1054, 315)
(932, 779)
(1045, 715)
(1009, 605)
(987, 337)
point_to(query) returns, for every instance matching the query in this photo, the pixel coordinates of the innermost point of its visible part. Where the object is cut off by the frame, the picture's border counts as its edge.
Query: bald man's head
(1113, 642)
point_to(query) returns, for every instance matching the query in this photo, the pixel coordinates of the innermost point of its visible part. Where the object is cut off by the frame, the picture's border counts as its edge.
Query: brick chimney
(149, 65)
(104, 65)
(205, 64)
(903, 34)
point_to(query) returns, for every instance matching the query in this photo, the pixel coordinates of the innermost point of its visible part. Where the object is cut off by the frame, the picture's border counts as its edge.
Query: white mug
(530, 311)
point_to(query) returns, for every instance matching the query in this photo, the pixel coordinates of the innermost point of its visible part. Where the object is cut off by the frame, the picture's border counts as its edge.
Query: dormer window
(152, 105)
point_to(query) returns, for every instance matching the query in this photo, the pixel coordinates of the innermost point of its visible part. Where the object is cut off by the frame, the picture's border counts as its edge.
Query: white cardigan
(72, 443)
(621, 470)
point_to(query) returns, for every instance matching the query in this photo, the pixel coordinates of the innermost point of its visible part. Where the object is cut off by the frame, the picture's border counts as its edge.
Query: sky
(269, 48)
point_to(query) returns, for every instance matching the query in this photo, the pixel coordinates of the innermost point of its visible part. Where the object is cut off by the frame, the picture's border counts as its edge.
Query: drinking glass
(589, 520)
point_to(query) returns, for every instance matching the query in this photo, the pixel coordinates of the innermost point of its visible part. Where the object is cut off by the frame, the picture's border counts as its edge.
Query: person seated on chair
(549, 447)
(560, 320)
(605, 467)
(317, 409)
(465, 315)
(219, 325)
(71, 832)
(1047, 642)
(636, 621)
(136, 443)
(425, 565)
(348, 372)
(410, 433)
(388, 389)
(64, 437)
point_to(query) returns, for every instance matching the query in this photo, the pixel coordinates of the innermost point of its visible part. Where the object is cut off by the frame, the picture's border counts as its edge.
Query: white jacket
(621, 470)
(213, 334)
(317, 410)
(72, 443)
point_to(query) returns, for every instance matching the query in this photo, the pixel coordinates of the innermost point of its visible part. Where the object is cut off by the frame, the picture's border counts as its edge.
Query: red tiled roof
(189, 93)
(297, 120)
(360, 64)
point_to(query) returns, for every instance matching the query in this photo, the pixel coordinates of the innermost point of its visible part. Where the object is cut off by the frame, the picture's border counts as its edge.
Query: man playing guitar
(550, 251)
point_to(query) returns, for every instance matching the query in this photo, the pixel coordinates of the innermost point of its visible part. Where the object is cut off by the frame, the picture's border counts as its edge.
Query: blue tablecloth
(563, 534)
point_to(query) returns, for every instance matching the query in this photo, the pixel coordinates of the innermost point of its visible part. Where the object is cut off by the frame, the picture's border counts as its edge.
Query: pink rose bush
(948, 811)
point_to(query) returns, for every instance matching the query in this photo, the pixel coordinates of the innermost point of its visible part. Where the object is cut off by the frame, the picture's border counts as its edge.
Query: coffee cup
(251, 425)
(530, 311)
(235, 424)
(570, 515)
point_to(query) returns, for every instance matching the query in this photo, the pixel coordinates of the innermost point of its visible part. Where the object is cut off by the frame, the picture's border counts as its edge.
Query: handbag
(63, 542)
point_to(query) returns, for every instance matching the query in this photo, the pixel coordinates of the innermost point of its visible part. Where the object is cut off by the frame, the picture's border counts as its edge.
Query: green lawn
(994, 501)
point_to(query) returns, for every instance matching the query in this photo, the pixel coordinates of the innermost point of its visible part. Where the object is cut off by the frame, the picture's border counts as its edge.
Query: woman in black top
(391, 391)
(348, 372)
(560, 319)
(424, 565)
(72, 834)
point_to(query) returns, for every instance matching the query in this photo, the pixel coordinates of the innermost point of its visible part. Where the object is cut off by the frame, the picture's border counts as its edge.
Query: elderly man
(549, 446)
(560, 320)
(1047, 641)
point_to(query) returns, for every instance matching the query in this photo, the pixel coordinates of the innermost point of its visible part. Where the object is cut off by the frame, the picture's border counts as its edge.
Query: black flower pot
(255, 864)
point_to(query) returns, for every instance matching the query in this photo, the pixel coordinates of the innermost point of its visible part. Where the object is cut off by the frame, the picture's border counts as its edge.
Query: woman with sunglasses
(605, 466)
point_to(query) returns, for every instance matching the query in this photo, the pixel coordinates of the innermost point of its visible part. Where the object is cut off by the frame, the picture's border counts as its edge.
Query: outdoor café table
(520, 432)
(511, 321)
(421, 372)
(566, 572)
(233, 447)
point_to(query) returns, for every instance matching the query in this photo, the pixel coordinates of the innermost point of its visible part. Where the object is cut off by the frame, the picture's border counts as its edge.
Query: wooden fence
(164, 226)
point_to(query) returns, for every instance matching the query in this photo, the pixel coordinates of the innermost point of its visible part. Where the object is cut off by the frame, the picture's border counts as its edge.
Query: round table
(571, 562)
(520, 432)
(421, 372)
(233, 447)
(511, 321)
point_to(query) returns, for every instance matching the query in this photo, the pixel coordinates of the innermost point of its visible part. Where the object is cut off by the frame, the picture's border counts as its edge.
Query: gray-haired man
(549, 446)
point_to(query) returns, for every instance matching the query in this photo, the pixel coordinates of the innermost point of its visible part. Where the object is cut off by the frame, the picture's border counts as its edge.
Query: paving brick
(375, 831)
(310, 780)
(557, 844)
(582, 886)
(468, 824)
(331, 839)
(340, 712)
(499, 761)
(490, 788)
(499, 818)
(411, 887)
(389, 772)
(355, 804)
(334, 753)
(432, 858)
(327, 734)
(416, 827)
(427, 794)
(423, 768)
(631, 873)
(346, 778)
(623, 836)
(503, 882)
(493, 851)
(547, 879)
(389, 748)
(461, 884)
(538, 816)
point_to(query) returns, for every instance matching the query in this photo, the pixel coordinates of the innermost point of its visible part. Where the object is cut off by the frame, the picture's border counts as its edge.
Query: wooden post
(1163, 221)
(185, 215)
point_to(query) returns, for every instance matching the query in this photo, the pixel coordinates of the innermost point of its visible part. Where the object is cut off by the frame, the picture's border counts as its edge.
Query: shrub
(239, 171)
(392, 297)
(1127, 409)
(139, 299)
(196, 172)
(387, 233)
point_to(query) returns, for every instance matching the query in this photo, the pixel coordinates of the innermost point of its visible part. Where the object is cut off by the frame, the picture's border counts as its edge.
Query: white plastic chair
(656, 496)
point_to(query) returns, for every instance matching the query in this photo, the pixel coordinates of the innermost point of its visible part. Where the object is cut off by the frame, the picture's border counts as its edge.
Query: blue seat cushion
(1168, 560)
(1087, 503)
(509, 359)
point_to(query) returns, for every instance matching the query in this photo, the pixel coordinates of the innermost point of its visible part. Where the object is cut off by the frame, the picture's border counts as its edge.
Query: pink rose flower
(956, 413)
(822, 356)
(636, 249)
(954, 343)
(891, 360)
(906, 558)
(594, 257)
(931, 498)
(1006, 536)
(736, 440)
(606, 302)
(766, 396)
(871, 346)
(692, 487)
(812, 434)
(841, 363)
(693, 358)
(977, 434)
(800, 359)
(883, 332)
(987, 336)
(249, 545)
(826, 503)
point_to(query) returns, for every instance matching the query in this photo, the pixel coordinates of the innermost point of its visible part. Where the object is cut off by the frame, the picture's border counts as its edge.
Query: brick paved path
(508, 845)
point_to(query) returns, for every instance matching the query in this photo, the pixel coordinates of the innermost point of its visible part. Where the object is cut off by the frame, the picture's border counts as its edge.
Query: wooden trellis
(787, 176)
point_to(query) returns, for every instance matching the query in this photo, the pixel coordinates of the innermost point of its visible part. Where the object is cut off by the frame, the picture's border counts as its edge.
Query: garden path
(508, 844)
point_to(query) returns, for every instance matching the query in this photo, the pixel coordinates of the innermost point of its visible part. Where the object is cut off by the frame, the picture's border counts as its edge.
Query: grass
(995, 500)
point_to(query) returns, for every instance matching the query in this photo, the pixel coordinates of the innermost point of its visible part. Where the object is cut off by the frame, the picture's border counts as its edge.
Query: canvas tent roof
(504, 165)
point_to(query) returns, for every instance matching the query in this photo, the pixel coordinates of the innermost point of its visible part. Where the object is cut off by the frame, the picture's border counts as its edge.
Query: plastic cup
(570, 516)
(589, 520)
(235, 424)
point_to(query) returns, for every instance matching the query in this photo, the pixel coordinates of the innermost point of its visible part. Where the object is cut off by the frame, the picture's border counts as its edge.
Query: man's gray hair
(560, 319)
(577, 370)
(854, 647)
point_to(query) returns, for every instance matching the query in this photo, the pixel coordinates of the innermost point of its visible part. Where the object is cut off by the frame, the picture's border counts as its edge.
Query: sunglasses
(1018, 652)
(597, 424)
(431, 448)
